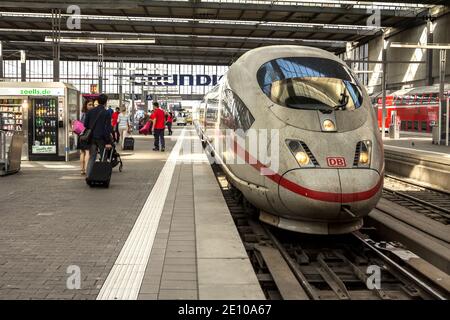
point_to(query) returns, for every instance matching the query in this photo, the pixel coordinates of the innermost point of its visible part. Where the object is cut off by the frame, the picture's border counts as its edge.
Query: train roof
(255, 58)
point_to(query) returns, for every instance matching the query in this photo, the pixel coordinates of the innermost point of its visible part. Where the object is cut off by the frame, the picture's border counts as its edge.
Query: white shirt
(122, 120)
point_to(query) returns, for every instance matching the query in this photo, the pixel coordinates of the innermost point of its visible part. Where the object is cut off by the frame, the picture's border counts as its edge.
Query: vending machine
(43, 111)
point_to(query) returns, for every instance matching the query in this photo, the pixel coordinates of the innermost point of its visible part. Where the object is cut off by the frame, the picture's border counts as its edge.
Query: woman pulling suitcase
(98, 134)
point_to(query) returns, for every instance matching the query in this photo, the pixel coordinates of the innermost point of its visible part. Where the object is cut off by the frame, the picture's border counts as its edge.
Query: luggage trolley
(10, 151)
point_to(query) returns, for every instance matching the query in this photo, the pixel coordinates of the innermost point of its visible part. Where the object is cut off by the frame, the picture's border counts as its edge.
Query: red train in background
(417, 109)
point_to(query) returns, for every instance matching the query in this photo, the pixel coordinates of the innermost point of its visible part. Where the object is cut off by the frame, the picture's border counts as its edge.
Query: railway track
(430, 202)
(304, 267)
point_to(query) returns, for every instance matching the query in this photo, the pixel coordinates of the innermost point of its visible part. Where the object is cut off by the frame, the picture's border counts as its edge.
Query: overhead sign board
(175, 79)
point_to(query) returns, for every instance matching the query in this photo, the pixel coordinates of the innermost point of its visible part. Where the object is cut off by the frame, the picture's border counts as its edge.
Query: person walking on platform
(82, 145)
(99, 121)
(169, 122)
(143, 120)
(123, 123)
(158, 119)
(115, 126)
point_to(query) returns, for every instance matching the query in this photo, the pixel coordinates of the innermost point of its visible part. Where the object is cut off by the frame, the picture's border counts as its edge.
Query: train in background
(417, 109)
(330, 154)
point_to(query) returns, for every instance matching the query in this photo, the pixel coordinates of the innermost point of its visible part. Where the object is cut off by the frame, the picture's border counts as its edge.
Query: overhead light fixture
(148, 58)
(444, 46)
(367, 71)
(104, 40)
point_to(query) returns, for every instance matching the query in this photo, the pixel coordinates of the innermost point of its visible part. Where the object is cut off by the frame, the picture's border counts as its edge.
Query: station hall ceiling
(200, 32)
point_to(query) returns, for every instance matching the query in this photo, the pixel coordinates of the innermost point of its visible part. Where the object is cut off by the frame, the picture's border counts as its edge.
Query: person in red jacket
(114, 118)
(158, 118)
(169, 122)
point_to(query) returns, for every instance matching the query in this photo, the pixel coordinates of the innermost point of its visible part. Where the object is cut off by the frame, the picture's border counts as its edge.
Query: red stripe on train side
(303, 191)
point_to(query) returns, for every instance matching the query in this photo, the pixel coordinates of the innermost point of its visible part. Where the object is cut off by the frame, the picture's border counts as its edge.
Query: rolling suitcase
(101, 171)
(128, 143)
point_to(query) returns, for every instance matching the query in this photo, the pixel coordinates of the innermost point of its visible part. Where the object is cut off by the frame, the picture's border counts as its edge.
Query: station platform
(162, 230)
(418, 144)
(414, 156)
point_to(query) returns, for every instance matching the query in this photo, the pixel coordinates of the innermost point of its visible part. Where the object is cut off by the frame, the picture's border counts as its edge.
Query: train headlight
(302, 158)
(364, 157)
(302, 153)
(363, 153)
(328, 125)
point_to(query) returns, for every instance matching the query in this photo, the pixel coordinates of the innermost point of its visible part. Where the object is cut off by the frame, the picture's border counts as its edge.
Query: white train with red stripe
(329, 166)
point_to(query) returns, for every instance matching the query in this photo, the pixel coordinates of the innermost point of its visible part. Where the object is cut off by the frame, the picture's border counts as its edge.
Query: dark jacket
(102, 129)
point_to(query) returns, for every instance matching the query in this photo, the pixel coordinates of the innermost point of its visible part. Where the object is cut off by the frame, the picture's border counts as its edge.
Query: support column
(383, 87)
(100, 67)
(348, 54)
(56, 36)
(120, 83)
(429, 55)
(443, 131)
(23, 66)
(2, 75)
(133, 112)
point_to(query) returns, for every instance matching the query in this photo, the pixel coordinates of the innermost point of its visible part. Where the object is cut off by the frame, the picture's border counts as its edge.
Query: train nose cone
(319, 194)
(361, 189)
(311, 193)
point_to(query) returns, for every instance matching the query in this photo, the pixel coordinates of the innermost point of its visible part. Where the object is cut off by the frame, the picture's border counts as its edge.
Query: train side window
(240, 116)
(416, 125)
(424, 125)
(243, 117)
(227, 119)
(403, 125)
(409, 125)
(211, 112)
(235, 114)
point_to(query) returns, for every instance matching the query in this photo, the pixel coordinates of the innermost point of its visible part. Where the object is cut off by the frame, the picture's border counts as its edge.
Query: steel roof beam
(160, 57)
(129, 46)
(305, 27)
(189, 37)
(277, 7)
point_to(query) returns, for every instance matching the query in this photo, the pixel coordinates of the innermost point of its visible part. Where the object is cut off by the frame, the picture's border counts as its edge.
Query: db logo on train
(336, 162)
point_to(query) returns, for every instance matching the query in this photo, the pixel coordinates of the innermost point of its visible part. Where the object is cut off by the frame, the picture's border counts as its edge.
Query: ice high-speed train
(326, 172)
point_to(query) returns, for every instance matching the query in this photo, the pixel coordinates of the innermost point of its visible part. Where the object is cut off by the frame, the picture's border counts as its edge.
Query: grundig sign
(175, 79)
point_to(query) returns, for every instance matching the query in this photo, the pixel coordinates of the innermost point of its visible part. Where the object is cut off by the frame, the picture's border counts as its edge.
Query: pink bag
(78, 127)
(145, 129)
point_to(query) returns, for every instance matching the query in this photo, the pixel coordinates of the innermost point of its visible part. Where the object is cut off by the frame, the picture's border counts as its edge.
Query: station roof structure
(200, 31)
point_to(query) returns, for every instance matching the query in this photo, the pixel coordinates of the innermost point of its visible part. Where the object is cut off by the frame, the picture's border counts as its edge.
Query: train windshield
(310, 84)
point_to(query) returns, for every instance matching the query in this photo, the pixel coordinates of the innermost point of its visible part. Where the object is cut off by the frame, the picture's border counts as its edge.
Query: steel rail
(398, 267)
(417, 184)
(294, 267)
(444, 212)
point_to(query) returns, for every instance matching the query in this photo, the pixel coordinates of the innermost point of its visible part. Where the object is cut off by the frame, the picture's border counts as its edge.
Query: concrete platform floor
(53, 225)
(420, 144)
(51, 220)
